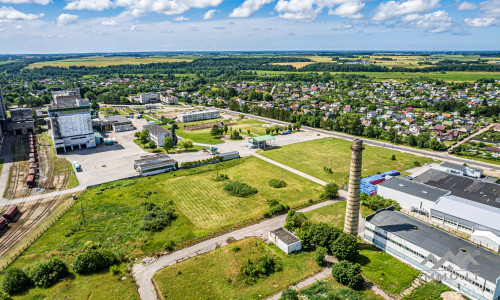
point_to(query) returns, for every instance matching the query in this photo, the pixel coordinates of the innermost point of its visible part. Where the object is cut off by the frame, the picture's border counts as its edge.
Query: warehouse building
(199, 115)
(71, 122)
(285, 240)
(120, 123)
(157, 134)
(460, 170)
(411, 195)
(22, 121)
(462, 266)
(155, 164)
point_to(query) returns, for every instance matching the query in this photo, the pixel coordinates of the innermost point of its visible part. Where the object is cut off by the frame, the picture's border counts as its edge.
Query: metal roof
(286, 236)
(453, 166)
(155, 129)
(228, 153)
(438, 242)
(263, 138)
(414, 188)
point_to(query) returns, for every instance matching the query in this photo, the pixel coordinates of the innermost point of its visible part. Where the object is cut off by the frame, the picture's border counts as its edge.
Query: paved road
(436, 155)
(473, 135)
(143, 274)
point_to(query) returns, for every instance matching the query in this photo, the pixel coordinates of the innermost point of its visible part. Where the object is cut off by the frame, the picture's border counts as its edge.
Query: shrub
(276, 183)
(417, 163)
(4, 296)
(377, 202)
(344, 247)
(275, 208)
(15, 280)
(319, 256)
(294, 220)
(222, 177)
(45, 274)
(169, 245)
(115, 270)
(393, 157)
(328, 170)
(348, 273)
(264, 266)
(92, 261)
(236, 248)
(289, 294)
(239, 189)
(157, 219)
(331, 191)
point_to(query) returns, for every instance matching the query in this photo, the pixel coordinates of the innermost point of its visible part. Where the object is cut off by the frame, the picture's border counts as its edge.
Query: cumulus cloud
(438, 21)
(480, 22)
(181, 19)
(65, 19)
(42, 2)
(96, 5)
(393, 9)
(248, 7)
(350, 10)
(489, 15)
(109, 23)
(308, 10)
(209, 14)
(8, 14)
(467, 6)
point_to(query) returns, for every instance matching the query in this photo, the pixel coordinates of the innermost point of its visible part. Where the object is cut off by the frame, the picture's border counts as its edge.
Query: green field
(215, 275)
(114, 213)
(430, 291)
(311, 157)
(366, 292)
(104, 61)
(333, 214)
(1, 164)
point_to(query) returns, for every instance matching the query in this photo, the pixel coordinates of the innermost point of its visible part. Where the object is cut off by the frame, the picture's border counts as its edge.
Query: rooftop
(286, 236)
(155, 129)
(201, 111)
(118, 119)
(437, 241)
(414, 188)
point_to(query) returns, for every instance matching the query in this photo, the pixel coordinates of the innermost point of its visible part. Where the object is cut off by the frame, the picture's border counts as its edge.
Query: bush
(377, 202)
(157, 219)
(289, 294)
(92, 261)
(4, 296)
(328, 170)
(15, 280)
(348, 273)
(319, 256)
(169, 245)
(239, 189)
(236, 248)
(294, 220)
(276, 183)
(222, 177)
(264, 266)
(320, 234)
(45, 274)
(344, 247)
(115, 270)
(275, 208)
(393, 157)
(331, 191)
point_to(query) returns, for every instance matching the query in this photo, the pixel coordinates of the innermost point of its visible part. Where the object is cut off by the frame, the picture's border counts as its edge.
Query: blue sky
(75, 26)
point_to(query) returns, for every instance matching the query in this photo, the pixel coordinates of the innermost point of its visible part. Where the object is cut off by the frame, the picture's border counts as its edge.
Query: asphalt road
(436, 155)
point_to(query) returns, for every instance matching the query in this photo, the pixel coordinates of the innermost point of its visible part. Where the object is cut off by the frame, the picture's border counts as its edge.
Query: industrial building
(3, 109)
(229, 155)
(460, 170)
(168, 99)
(22, 121)
(148, 98)
(199, 115)
(120, 123)
(71, 121)
(285, 240)
(155, 164)
(157, 134)
(462, 266)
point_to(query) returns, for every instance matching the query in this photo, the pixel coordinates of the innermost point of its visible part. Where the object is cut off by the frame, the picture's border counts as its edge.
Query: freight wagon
(3, 223)
(31, 180)
(11, 213)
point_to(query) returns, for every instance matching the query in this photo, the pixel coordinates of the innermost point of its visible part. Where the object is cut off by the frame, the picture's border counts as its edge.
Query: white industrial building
(66, 97)
(155, 164)
(120, 123)
(461, 170)
(157, 134)
(22, 121)
(148, 97)
(168, 99)
(285, 240)
(462, 266)
(229, 155)
(71, 122)
(199, 115)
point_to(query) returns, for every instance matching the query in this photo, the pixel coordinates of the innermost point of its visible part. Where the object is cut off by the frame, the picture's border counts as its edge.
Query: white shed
(285, 240)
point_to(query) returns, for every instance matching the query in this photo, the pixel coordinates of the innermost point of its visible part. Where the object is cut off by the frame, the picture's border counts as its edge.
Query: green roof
(97, 134)
(262, 138)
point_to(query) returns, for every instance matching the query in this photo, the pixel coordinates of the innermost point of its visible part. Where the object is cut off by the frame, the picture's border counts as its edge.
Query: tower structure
(3, 110)
(353, 194)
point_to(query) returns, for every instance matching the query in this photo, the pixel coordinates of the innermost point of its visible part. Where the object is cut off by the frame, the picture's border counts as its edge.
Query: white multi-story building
(148, 97)
(199, 115)
(168, 99)
(464, 267)
(66, 97)
(157, 134)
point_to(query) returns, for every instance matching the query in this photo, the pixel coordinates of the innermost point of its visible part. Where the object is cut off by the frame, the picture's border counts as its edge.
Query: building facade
(155, 164)
(157, 134)
(168, 99)
(199, 115)
(22, 121)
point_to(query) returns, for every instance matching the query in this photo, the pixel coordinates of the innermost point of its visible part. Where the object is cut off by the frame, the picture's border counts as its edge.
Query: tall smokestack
(353, 194)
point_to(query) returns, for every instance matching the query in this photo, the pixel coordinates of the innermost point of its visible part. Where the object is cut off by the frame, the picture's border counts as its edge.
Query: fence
(28, 241)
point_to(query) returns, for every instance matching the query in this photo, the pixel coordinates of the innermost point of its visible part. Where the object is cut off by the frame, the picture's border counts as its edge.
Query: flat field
(334, 214)
(220, 278)
(311, 157)
(104, 61)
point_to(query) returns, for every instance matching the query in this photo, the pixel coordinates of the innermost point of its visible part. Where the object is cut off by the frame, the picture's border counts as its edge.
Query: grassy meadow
(333, 214)
(430, 291)
(220, 278)
(310, 157)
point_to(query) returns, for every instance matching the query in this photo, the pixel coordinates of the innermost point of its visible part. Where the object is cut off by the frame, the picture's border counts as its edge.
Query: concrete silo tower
(353, 194)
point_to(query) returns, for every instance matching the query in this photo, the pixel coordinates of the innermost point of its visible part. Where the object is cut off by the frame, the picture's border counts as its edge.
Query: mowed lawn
(215, 275)
(333, 214)
(312, 156)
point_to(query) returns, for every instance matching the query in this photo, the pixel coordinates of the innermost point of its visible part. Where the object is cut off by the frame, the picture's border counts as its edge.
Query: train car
(32, 166)
(3, 223)
(32, 149)
(11, 212)
(32, 171)
(32, 155)
(32, 160)
(31, 180)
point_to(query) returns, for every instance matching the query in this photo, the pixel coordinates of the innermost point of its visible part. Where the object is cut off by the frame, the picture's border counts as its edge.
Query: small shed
(229, 155)
(285, 240)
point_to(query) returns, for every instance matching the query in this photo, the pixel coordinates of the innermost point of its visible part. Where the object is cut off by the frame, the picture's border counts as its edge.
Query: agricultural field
(297, 65)
(311, 157)
(104, 61)
(114, 211)
(221, 277)
(430, 291)
(334, 214)
(446, 76)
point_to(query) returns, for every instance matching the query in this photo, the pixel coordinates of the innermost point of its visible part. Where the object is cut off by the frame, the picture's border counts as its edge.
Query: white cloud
(248, 7)
(18, 26)
(134, 28)
(109, 23)
(181, 19)
(11, 14)
(393, 9)
(96, 5)
(467, 6)
(438, 21)
(42, 2)
(305, 10)
(65, 19)
(480, 22)
(209, 14)
(350, 10)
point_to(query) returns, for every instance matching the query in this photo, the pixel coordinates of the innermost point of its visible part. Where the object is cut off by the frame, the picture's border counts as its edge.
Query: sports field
(311, 157)
(216, 274)
(104, 61)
